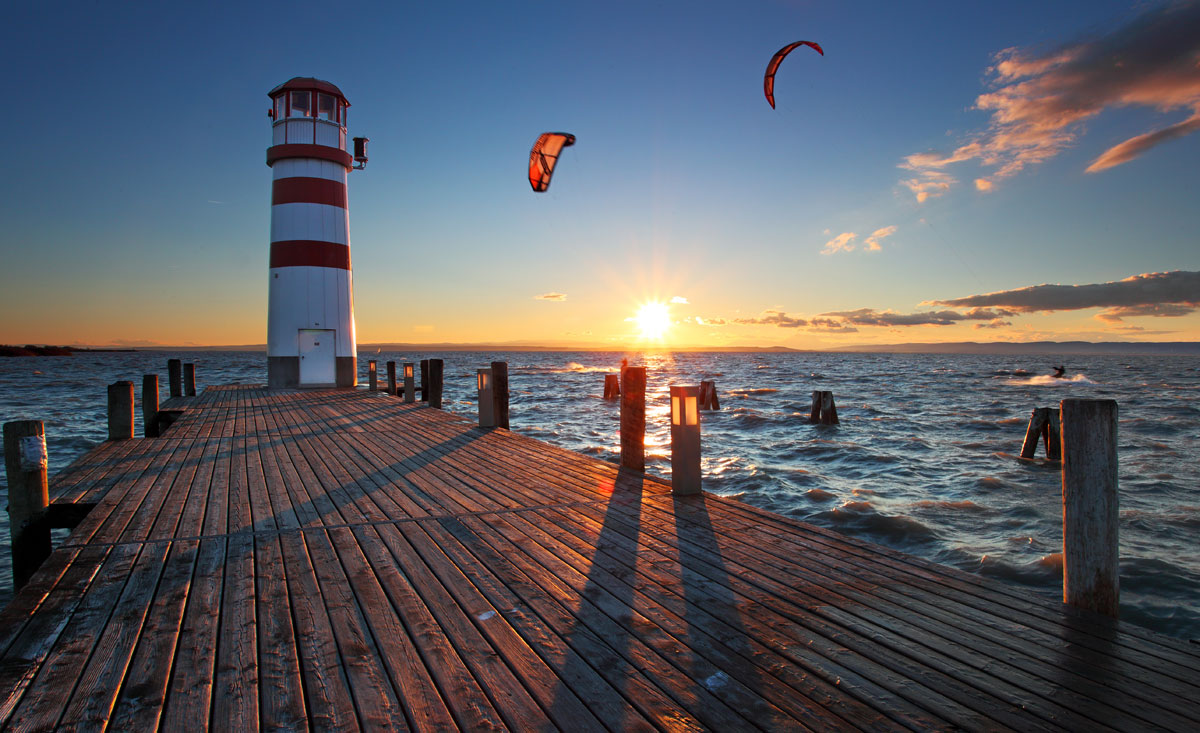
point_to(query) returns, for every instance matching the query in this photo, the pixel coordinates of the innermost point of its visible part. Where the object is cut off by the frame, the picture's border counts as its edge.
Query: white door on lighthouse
(318, 365)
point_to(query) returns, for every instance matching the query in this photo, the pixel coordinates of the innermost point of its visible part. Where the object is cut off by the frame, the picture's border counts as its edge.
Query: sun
(653, 319)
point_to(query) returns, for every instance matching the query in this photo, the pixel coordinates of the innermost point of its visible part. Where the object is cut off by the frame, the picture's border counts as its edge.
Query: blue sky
(137, 200)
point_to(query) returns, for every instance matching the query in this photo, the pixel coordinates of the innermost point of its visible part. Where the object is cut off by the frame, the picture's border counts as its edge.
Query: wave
(1045, 380)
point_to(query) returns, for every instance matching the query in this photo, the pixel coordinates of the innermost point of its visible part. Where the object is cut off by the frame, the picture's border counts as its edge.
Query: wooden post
(120, 411)
(424, 380)
(372, 376)
(633, 418)
(435, 383)
(500, 393)
(150, 405)
(708, 396)
(823, 409)
(175, 377)
(1090, 505)
(1052, 434)
(28, 496)
(189, 379)
(1033, 433)
(612, 386)
(391, 371)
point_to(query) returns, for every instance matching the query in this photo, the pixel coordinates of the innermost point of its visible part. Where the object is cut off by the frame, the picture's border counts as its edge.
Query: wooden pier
(339, 559)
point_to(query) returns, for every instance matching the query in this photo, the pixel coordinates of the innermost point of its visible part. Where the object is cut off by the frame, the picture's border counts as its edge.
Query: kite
(776, 60)
(544, 156)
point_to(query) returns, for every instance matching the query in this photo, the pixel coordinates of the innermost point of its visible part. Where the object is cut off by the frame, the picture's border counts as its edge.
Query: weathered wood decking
(338, 559)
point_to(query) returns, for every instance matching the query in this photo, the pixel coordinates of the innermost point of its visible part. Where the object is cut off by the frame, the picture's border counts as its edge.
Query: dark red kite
(544, 156)
(776, 60)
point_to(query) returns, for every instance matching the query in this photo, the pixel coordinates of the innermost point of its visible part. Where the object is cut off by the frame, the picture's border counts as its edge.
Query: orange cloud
(872, 242)
(558, 297)
(841, 243)
(1039, 102)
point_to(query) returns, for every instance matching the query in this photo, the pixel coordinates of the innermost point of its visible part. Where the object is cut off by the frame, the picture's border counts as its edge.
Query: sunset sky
(947, 171)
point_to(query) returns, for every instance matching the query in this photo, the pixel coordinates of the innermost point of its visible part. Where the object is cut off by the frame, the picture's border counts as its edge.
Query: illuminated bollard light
(373, 375)
(487, 409)
(685, 440)
(409, 383)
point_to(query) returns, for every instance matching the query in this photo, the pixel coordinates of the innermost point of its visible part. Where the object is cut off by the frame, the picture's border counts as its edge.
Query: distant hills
(1191, 348)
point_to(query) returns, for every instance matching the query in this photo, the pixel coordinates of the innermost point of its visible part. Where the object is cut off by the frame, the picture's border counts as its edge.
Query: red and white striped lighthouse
(310, 319)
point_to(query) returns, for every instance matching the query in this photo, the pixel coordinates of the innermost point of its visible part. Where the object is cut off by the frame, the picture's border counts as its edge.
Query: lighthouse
(310, 313)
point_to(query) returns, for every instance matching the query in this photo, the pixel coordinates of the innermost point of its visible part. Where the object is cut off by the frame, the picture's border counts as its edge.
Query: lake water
(924, 460)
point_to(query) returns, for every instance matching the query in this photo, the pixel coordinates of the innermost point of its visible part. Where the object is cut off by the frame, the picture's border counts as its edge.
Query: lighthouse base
(283, 372)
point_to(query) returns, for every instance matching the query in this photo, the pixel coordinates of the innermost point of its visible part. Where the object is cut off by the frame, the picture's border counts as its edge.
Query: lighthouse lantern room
(310, 319)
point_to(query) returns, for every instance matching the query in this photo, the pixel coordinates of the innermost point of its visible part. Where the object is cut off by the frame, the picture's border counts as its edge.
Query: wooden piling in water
(150, 405)
(823, 410)
(1090, 505)
(633, 418)
(434, 394)
(120, 410)
(424, 380)
(372, 376)
(28, 497)
(1043, 426)
(391, 374)
(612, 386)
(708, 396)
(500, 393)
(175, 377)
(189, 379)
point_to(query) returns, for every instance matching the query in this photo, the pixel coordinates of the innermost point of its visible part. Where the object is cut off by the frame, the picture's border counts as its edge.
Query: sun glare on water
(653, 320)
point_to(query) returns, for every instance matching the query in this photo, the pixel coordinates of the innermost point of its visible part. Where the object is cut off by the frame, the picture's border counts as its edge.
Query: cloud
(995, 323)
(558, 297)
(1157, 310)
(710, 321)
(983, 184)
(773, 318)
(1156, 289)
(679, 299)
(1135, 146)
(841, 243)
(871, 243)
(829, 325)
(872, 317)
(1039, 102)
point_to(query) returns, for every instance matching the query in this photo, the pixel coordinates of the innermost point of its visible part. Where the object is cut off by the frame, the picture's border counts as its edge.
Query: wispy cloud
(710, 321)
(983, 184)
(551, 296)
(773, 318)
(1174, 293)
(679, 299)
(871, 243)
(1039, 101)
(843, 242)
(889, 318)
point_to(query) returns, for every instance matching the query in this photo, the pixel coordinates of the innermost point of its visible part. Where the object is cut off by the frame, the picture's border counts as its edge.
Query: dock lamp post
(409, 386)
(487, 409)
(685, 440)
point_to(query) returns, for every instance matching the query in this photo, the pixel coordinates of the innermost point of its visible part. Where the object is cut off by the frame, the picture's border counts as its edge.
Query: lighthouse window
(281, 106)
(301, 104)
(326, 109)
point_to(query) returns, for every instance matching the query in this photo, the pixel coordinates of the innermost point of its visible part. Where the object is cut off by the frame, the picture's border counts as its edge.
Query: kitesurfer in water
(1059, 371)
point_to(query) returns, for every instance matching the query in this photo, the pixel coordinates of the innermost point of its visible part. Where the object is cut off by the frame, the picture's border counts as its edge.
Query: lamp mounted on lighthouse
(310, 318)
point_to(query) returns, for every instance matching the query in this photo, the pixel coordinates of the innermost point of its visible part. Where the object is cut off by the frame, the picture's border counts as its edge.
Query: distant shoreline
(33, 350)
(1001, 348)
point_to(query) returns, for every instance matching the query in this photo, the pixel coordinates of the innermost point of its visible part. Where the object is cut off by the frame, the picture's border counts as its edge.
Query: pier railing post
(189, 379)
(633, 418)
(150, 405)
(1090, 505)
(28, 496)
(120, 411)
(685, 440)
(500, 393)
(435, 383)
(487, 405)
(391, 372)
(372, 376)
(424, 380)
(409, 386)
(175, 377)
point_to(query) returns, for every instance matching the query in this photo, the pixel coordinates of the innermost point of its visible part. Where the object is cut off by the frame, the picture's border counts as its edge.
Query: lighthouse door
(318, 366)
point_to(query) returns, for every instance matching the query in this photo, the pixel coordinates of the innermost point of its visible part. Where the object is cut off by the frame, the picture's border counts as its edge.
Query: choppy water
(924, 459)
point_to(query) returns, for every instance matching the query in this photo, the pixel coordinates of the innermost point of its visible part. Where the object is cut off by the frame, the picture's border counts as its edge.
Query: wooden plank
(188, 702)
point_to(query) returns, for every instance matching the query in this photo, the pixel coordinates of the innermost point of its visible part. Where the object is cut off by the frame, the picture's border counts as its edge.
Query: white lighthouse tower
(310, 319)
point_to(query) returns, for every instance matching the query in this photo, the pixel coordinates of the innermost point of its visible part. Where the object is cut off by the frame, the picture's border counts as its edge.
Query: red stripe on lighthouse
(306, 150)
(310, 253)
(302, 190)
